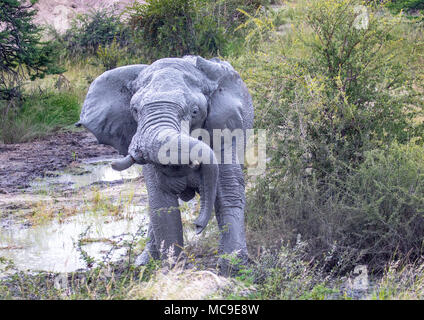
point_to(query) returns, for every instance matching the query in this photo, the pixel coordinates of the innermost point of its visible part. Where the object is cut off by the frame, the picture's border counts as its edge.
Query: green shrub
(260, 28)
(398, 5)
(361, 78)
(177, 28)
(109, 55)
(166, 26)
(94, 29)
(171, 28)
(370, 217)
(228, 13)
(329, 93)
(387, 194)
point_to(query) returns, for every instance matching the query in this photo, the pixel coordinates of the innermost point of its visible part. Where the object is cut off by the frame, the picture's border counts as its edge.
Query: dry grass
(179, 283)
(401, 282)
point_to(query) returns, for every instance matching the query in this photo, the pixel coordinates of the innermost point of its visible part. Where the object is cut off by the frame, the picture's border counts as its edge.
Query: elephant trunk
(159, 141)
(203, 156)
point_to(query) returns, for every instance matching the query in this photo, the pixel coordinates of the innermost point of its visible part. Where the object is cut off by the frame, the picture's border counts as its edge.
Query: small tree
(360, 69)
(176, 28)
(22, 53)
(98, 28)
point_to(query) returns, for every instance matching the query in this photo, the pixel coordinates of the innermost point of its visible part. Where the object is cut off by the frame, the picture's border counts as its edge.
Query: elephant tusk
(123, 164)
(199, 229)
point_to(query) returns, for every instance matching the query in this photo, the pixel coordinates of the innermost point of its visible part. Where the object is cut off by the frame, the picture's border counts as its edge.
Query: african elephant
(138, 109)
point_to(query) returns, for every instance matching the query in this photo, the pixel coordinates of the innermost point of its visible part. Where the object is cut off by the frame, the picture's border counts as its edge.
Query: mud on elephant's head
(138, 109)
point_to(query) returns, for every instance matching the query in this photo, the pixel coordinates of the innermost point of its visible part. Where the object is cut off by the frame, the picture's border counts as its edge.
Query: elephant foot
(170, 257)
(146, 256)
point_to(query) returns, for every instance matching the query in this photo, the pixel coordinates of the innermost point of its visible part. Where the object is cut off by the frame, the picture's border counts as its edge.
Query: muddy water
(52, 245)
(89, 172)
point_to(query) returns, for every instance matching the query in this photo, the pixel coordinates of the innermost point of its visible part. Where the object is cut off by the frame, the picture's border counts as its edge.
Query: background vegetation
(339, 102)
(341, 94)
(22, 52)
(407, 5)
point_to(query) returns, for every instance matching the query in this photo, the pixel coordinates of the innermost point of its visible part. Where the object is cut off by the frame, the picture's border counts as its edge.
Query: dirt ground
(21, 163)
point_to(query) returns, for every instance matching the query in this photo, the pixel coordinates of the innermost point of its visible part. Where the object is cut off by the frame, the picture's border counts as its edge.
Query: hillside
(59, 13)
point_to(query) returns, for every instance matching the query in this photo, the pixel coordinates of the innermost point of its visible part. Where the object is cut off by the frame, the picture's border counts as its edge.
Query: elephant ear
(106, 110)
(230, 104)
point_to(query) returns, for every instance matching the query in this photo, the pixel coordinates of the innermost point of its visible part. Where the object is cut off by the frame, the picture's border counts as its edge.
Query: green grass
(58, 109)
(40, 114)
(49, 104)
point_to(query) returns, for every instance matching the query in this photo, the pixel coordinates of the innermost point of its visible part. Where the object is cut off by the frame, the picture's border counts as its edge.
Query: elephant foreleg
(229, 209)
(165, 228)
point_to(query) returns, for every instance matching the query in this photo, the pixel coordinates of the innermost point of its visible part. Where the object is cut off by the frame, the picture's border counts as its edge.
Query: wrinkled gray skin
(133, 108)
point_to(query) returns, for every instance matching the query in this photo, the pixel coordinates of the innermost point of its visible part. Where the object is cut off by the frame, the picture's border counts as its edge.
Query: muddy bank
(21, 163)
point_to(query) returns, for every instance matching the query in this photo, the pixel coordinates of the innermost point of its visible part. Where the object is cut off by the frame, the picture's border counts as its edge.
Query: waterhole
(56, 245)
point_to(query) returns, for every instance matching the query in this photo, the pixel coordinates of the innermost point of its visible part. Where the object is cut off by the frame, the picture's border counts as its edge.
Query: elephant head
(139, 109)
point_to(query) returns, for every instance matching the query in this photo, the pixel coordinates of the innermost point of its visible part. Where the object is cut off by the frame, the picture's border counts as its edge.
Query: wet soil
(21, 163)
